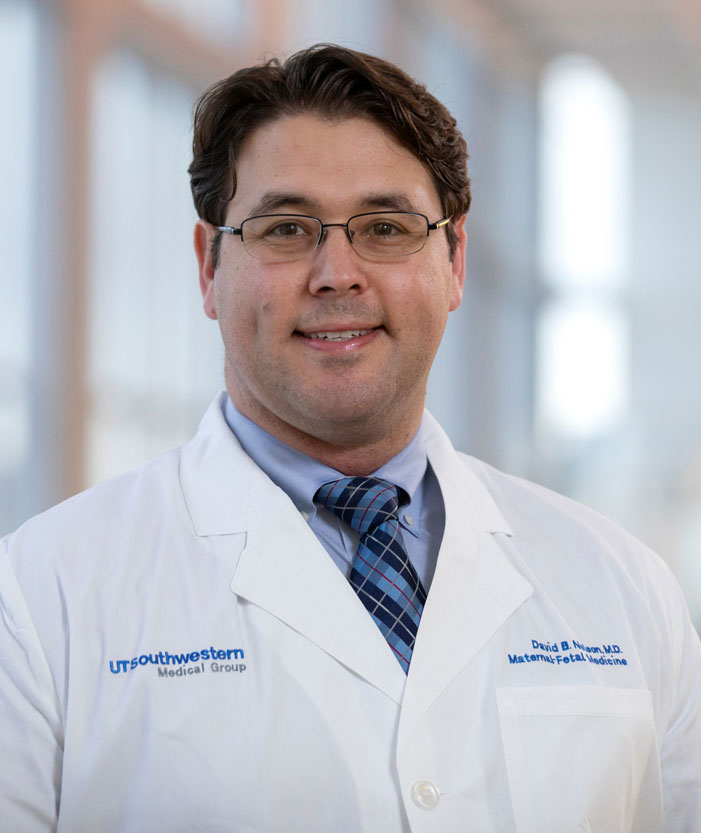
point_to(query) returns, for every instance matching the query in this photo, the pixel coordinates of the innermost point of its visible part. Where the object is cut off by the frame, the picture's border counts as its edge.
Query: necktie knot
(362, 502)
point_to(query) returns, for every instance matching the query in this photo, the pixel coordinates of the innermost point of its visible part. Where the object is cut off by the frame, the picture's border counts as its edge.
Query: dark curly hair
(334, 83)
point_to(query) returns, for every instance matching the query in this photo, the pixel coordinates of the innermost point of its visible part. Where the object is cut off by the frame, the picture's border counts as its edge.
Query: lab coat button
(425, 795)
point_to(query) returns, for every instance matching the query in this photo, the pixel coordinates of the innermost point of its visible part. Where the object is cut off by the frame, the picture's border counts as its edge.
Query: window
(19, 26)
(155, 359)
(582, 328)
(220, 21)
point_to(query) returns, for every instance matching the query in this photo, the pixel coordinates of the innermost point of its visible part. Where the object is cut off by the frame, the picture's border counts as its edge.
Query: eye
(288, 228)
(383, 228)
(380, 229)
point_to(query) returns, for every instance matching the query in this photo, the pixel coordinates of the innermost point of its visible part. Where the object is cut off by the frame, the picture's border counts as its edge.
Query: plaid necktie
(381, 574)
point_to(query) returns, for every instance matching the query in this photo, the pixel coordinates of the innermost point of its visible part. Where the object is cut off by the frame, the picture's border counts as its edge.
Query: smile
(337, 335)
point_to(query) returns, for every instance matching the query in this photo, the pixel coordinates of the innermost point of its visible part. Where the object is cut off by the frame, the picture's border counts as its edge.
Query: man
(317, 616)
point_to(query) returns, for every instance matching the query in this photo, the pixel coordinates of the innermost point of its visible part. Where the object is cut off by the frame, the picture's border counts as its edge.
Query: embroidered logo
(184, 664)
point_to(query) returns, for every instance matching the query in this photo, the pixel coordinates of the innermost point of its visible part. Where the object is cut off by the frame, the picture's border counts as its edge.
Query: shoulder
(543, 524)
(95, 517)
(579, 560)
(135, 505)
(73, 563)
(563, 544)
(532, 508)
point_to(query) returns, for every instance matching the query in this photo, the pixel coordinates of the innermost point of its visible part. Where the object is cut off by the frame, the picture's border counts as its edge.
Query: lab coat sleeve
(30, 726)
(681, 745)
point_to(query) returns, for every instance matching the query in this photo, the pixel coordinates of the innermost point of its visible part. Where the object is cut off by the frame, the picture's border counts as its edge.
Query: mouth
(337, 335)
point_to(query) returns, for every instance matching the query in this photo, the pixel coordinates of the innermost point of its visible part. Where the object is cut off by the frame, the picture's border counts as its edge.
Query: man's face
(362, 389)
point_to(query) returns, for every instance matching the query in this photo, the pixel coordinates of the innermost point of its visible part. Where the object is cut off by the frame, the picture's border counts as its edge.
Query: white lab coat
(305, 721)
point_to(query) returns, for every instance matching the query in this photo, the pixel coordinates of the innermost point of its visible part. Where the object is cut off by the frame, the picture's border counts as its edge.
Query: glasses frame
(322, 232)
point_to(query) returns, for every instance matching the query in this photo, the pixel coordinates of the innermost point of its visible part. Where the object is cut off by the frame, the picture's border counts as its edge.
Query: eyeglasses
(378, 235)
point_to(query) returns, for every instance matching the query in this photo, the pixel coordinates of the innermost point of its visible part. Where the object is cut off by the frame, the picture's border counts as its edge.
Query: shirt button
(304, 514)
(408, 519)
(425, 795)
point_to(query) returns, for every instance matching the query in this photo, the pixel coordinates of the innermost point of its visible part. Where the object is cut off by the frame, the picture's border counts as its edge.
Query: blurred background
(574, 360)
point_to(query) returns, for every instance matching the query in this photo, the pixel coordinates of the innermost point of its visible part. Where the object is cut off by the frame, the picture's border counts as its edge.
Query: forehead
(343, 164)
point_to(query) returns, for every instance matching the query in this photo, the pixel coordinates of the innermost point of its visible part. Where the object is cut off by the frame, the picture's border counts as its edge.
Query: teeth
(341, 335)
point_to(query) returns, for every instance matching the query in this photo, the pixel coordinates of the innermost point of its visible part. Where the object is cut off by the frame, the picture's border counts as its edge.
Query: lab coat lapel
(474, 590)
(281, 567)
(285, 570)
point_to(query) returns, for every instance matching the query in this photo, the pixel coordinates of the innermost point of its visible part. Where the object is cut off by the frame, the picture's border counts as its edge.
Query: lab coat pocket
(576, 756)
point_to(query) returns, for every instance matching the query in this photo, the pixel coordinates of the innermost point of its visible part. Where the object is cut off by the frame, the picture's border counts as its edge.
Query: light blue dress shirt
(422, 519)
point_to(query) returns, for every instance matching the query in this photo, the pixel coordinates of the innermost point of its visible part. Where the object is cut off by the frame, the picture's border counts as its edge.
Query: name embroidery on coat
(568, 652)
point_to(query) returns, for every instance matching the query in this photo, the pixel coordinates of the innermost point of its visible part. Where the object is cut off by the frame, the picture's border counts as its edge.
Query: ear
(458, 264)
(204, 234)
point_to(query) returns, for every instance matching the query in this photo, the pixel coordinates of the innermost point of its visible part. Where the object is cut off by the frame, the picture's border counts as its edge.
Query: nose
(335, 267)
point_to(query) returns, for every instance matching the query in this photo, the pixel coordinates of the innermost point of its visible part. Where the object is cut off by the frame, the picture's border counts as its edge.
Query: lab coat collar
(459, 483)
(283, 568)
(216, 476)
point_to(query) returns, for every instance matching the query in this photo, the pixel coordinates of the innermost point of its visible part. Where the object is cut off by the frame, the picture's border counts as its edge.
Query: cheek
(233, 300)
(420, 324)
(431, 318)
(430, 305)
(250, 320)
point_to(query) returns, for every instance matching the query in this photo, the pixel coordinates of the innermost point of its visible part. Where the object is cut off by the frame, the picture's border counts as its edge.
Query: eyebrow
(272, 201)
(393, 202)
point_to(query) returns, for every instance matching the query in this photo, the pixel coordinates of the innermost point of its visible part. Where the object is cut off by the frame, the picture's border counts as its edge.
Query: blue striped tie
(381, 574)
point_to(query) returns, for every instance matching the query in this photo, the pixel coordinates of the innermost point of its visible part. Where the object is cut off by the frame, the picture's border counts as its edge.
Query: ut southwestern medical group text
(188, 663)
(564, 653)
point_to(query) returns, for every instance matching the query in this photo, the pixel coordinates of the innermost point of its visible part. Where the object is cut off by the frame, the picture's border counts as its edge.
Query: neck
(353, 448)
(356, 460)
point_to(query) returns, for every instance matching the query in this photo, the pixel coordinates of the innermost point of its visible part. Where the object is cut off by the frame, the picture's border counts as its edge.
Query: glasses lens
(277, 238)
(388, 234)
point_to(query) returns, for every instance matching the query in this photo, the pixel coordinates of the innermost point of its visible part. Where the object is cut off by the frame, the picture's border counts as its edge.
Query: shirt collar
(299, 475)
